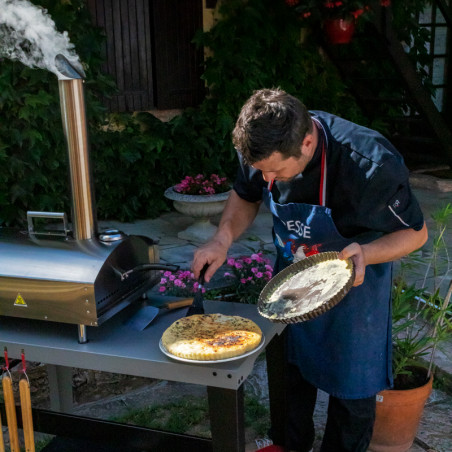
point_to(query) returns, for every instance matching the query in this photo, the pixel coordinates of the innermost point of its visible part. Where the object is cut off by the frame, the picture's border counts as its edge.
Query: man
(346, 189)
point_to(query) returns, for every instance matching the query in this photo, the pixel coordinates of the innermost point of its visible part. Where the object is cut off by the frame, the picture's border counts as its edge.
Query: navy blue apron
(346, 352)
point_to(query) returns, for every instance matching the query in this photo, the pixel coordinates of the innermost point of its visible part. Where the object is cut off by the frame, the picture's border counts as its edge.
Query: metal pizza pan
(297, 269)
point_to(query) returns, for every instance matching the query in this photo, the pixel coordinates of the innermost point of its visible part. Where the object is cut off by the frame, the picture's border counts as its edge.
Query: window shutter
(149, 52)
(178, 67)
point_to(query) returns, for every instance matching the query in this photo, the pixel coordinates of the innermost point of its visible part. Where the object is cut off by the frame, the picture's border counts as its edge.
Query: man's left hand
(355, 252)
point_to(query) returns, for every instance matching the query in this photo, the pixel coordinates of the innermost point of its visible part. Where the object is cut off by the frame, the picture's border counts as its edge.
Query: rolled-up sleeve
(249, 182)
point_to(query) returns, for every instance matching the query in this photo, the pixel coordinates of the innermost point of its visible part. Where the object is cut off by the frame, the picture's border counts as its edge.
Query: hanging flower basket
(339, 30)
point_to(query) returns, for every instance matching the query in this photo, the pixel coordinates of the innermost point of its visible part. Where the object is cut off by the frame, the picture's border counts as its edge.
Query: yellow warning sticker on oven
(20, 301)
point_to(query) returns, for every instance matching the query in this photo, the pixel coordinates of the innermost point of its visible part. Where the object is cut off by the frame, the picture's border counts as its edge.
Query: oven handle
(149, 267)
(49, 215)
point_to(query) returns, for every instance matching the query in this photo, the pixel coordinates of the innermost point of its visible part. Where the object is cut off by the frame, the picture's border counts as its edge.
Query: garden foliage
(136, 157)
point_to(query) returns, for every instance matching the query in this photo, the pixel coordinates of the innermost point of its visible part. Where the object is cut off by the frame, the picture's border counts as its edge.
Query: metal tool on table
(10, 406)
(198, 303)
(147, 313)
(25, 405)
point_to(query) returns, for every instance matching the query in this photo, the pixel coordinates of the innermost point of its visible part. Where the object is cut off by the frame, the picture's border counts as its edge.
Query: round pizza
(210, 337)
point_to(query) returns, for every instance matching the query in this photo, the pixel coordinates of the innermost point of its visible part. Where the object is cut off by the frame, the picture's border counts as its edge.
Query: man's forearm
(388, 248)
(238, 214)
(395, 245)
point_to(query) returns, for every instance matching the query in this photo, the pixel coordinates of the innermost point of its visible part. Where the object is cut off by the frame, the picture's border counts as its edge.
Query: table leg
(227, 419)
(60, 385)
(275, 372)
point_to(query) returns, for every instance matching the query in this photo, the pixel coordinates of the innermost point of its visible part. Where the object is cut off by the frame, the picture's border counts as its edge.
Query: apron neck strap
(323, 170)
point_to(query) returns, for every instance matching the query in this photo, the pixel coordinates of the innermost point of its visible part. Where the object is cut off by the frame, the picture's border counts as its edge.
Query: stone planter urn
(201, 208)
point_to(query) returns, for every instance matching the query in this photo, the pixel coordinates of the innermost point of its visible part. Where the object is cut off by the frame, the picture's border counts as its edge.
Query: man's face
(276, 167)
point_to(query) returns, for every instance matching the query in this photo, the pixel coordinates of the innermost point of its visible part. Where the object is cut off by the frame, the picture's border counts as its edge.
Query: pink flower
(238, 265)
(227, 274)
(172, 278)
(259, 275)
(163, 281)
(178, 283)
(254, 270)
(201, 185)
(231, 261)
(162, 289)
(257, 257)
(243, 280)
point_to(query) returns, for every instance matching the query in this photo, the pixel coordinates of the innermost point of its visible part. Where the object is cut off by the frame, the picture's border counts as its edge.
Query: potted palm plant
(421, 320)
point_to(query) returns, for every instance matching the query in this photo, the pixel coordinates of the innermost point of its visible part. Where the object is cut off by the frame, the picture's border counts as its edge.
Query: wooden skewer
(10, 408)
(2, 444)
(27, 419)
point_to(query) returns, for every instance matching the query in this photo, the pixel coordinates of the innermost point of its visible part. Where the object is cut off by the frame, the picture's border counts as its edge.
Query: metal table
(115, 347)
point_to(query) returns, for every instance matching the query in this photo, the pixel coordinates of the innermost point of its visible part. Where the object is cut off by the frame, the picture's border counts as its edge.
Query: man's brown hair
(271, 120)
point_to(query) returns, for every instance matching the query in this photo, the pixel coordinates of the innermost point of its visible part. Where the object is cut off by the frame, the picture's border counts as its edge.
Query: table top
(116, 347)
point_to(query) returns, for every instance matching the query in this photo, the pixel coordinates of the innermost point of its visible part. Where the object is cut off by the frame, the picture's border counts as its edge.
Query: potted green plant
(421, 320)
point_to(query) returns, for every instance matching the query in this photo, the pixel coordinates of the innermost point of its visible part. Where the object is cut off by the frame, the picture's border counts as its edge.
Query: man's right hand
(213, 254)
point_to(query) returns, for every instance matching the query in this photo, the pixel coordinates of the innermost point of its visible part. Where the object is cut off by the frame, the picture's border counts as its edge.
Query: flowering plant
(202, 185)
(332, 9)
(250, 273)
(179, 284)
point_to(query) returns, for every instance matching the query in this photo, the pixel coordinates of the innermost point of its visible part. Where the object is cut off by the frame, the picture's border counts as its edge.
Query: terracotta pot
(339, 31)
(398, 416)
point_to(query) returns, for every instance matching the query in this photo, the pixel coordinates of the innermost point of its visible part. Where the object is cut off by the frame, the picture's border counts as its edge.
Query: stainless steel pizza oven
(74, 276)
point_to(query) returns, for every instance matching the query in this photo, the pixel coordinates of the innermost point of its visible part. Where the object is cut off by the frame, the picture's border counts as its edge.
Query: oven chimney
(72, 102)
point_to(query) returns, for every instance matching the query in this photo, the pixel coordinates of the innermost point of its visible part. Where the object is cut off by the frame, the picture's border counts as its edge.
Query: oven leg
(82, 339)
(226, 409)
(60, 385)
(275, 373)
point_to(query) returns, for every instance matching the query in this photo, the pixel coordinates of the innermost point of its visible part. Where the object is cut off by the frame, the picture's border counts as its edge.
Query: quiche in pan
(211, 337)
(307, 288)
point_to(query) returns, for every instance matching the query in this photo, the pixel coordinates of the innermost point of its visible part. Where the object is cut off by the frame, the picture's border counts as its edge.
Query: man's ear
(307, 144)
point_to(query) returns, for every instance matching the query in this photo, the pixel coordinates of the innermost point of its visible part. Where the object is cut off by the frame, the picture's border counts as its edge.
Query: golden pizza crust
(209, 337)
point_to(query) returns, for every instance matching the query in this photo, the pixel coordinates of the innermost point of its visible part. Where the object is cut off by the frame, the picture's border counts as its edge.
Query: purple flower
(231, 261)
(254, 270)
(259, 275)
(162, 289)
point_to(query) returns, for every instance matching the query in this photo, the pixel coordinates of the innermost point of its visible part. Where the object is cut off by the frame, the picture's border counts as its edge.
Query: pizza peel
(147, 312)
(292, 306)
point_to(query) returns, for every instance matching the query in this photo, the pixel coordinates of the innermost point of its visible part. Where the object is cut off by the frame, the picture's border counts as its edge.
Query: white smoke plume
(28, 34)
